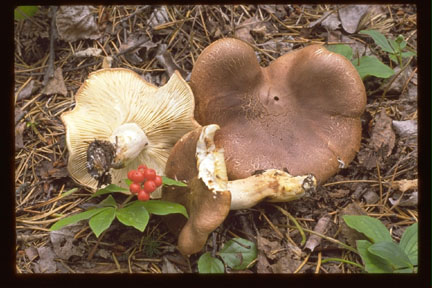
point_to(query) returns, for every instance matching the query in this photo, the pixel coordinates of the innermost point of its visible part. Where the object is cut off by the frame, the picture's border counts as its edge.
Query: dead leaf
(64, 244)
(166, 60)
(56, 84)
(89, 52)
(134, 43)
(46, 260)
(27, 91)
(158, 17)
(351, 15)
(76, 22)
(19, 130)
(268, 247)
(405, 185)
(321, 227)
(285, 264)
(411, 200)
(31, 253)
(19, 114)
(405, 128)
(339, 193)
(169, 267)
(253, 24)
(329, 20)
(46, 170)
(383, 138)
(370, 197)
(349, 234)
(278, 45)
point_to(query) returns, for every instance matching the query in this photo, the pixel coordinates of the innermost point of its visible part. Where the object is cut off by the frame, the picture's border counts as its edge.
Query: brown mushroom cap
(302, 112)
(209, 196)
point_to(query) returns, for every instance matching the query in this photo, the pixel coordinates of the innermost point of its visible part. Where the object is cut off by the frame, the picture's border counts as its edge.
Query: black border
(423, 279)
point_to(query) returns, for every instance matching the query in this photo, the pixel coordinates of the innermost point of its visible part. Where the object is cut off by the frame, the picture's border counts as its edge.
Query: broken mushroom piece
(302, 112)
(209, 196)
(140, 121)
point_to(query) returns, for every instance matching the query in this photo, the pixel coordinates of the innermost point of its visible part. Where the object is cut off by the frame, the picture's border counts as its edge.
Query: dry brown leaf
(19, 130)
(63, 242)
(405, 128)
(89, 52)
(76, 22)
(321, 227)
(56, 84)
(252, 24)
(405, 185)
(46, 260)
(351, 15)
(349, 234)
(383, 138)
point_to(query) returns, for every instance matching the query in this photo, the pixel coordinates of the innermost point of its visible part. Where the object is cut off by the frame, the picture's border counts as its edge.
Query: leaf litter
(131, 37)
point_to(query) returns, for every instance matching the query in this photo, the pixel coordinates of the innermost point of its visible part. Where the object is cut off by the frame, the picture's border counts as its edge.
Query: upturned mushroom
(199, 161)
(120, 121)
(301, 113)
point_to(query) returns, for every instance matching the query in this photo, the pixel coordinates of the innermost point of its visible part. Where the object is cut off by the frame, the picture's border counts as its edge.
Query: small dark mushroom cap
(302, 112)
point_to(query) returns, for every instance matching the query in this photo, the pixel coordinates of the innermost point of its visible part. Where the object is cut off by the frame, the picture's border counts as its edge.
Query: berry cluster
(144, 181)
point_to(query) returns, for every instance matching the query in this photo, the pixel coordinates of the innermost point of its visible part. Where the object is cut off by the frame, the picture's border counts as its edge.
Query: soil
(156, 40)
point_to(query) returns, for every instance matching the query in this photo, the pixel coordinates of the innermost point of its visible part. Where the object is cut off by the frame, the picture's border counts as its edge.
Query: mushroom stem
(272, 185)
(129, 140)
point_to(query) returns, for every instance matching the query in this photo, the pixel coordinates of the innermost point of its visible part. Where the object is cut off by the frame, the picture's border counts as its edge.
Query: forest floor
(153, 40)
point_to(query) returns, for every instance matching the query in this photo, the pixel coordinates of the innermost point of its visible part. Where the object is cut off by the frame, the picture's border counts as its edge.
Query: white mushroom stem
(129, 140)
(272, 185)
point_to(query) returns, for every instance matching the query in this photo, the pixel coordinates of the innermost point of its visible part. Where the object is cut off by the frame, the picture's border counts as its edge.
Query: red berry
(143, 195)
(150, 186)
(137, 176)
(142, 167)
(129, 175)
(134, 188)
(149, 174)
(158, 181)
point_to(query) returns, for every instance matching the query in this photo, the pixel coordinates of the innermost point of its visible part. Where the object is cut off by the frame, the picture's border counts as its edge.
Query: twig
(49, 73)
(134, 13)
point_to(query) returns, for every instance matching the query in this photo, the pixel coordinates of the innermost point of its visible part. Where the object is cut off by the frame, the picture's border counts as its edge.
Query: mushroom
(209, 196)
(301, 113)
(140, 121)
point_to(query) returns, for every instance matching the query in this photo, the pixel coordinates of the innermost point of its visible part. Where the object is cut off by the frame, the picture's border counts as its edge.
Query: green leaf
(396, 46)
(409, 243)
(23, 12)
(101, 221)
(172, 182)
(160, 207)
(135, 215)
(371, 227)
(379, 40)
(408, 54)
(238, 256)
(373, 264)
(128, 182)
(110, 189)
(391, 252)
(209, 264)
(75, 218)
(108, 202)
(341, 49)
(371, 66)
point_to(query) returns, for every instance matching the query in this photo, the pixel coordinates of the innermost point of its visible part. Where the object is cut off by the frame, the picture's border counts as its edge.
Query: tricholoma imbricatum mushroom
(120, 121)
(283, 128)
